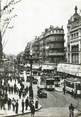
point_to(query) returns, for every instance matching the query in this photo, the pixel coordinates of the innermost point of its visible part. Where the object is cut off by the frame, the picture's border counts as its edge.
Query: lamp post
(47, 52)
(30, 88)
(31, 67)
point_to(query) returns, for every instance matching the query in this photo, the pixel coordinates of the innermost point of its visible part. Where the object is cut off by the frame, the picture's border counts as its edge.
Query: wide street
(56, 102)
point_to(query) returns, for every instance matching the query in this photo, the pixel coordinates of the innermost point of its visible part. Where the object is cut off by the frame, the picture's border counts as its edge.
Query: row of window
(70, 84)
(74, 35)
(54, 32)
(75, 48)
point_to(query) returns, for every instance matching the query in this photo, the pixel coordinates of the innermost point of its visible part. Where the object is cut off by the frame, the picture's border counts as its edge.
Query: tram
(49, 85)
(73, 86)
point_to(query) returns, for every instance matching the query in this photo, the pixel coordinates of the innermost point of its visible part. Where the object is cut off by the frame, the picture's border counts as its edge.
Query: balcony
(54, 32)
(56, 47)
(57, 54)
(56, 40)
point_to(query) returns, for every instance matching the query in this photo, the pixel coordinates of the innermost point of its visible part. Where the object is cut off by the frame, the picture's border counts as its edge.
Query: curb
(58, 90)
(21, 113)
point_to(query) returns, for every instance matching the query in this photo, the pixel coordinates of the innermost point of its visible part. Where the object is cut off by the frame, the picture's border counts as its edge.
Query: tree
(6, 15)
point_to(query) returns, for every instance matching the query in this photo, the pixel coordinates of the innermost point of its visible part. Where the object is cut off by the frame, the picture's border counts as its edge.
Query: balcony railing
(57, 54)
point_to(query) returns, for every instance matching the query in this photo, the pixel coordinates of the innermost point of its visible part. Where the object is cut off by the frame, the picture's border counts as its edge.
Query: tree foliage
(6, 15)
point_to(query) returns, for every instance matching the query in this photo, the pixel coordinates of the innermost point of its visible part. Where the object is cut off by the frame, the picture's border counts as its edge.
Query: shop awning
(47, 67)
(35, 66)
(70, 69)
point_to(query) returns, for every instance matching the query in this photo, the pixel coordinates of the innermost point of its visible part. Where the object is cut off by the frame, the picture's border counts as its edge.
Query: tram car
(49, 85)
(73, 86)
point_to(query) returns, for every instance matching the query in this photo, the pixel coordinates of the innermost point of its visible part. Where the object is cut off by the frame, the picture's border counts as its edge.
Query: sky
(33, 16)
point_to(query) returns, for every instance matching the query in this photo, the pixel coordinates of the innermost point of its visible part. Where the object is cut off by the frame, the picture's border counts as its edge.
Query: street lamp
(47, 52)
(31, 67)
(30, 88)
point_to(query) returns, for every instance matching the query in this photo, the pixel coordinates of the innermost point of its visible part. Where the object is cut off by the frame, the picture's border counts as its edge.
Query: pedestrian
(17, 107)
(9, 104)
(72, 92)
(64, 90)
(26, 103)
(36, 104)
(71, 110)
(32, 110)
(13, 104)
(20, 93)
(22, 106)
(75, 93)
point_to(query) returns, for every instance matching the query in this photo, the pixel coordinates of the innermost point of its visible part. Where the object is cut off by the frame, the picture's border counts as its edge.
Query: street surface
(55, 104)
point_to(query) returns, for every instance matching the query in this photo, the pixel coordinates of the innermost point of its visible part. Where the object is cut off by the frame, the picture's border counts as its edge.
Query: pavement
(11, 113)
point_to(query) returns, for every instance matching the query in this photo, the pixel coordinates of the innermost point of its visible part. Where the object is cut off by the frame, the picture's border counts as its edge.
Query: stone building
(27, 52)
(73, 54)
(74, 39)
(35, 50)
(49, 46)
(52, 45)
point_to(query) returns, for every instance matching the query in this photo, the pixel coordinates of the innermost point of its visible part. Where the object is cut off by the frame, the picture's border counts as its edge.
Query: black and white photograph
(40, 58)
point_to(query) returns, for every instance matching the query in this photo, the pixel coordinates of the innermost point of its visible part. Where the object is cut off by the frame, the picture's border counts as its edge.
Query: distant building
(74, 39)
(35, 50)
(1, 51)
(27, 52)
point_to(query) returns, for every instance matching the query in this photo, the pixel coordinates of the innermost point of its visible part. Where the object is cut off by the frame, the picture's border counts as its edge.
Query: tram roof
(73, 80)
(57, 76)
(49, 79)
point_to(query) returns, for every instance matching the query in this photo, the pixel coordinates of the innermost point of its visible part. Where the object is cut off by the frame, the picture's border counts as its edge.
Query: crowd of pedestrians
(13, 87)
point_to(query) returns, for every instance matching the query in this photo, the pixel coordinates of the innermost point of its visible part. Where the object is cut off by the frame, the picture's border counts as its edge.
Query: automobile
(42, 94)
(35, 81)
(29, 78)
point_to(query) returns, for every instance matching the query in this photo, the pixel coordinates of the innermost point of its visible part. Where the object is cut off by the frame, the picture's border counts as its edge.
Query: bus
(49, 85)
(73, 86)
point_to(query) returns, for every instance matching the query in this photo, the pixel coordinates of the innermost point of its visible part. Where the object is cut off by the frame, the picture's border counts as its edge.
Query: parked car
(42, 94)
(29, 78)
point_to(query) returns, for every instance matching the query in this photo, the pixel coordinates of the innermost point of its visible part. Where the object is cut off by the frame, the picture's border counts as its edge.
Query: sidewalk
(59, 89)
(10, 113)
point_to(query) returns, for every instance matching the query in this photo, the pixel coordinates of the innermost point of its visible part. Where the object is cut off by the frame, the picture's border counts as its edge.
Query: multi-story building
(52, 45)
(27, 52)
(35, 50)
(74, 39)
(73, 65)
(48, 47)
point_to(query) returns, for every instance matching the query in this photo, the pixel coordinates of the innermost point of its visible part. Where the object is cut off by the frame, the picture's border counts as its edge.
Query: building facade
(49, 46)
(52, 45)
(73, 54)
(35, 50)
(74, 39)
(27, 52)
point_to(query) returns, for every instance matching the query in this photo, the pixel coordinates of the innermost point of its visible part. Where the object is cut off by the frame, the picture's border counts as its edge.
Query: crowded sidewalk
(16, 97)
